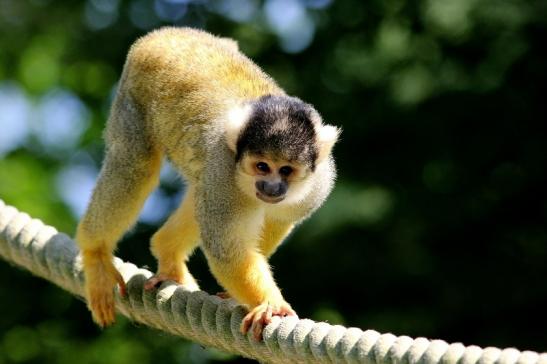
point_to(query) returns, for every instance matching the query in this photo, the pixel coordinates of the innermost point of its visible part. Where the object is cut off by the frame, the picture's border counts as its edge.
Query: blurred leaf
(21, 344)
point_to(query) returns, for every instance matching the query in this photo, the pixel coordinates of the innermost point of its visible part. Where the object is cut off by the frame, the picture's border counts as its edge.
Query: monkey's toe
(285, 311)
(156, 280)
(101, 278)
(103, 308)
(224, 295)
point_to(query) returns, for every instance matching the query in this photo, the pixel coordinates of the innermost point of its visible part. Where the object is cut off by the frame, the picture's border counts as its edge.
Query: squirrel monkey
(256, 161)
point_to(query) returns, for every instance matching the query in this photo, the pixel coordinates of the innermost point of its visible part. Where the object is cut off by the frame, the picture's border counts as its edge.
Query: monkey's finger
(121, 284)
(96, 316)
(268, 315)
(258, 326)
(104, 318)
(95, 308)
(99, 315)
(103, 315)
(103, 308)
(156, 280)
(114, 273)
(259, 321)
(293, 313)
(288, 311)
(223, 295)
(109, 313)
(111, 309)
(246, 323)
(151, 283)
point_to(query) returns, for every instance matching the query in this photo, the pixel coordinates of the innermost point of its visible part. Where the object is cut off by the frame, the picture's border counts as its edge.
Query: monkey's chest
(293, 213)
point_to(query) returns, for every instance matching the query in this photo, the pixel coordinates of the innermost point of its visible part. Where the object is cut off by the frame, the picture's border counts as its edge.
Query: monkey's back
(177, 62)
(183, 80)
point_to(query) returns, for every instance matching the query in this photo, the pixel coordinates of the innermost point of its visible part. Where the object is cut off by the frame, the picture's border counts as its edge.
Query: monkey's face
(270, 179)
(278, 142)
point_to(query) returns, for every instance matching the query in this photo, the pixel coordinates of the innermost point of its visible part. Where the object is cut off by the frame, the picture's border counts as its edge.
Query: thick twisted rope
(212, 321)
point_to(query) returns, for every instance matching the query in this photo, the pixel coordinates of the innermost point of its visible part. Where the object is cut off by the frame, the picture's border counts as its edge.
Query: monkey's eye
(285, 171)
(263, 167)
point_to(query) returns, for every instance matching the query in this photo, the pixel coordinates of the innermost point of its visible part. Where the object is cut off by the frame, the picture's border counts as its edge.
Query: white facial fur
(327, 135)
(298, 190)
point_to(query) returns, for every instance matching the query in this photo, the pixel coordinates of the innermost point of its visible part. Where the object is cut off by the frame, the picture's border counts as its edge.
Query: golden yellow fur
(176, 99)
(173, 71)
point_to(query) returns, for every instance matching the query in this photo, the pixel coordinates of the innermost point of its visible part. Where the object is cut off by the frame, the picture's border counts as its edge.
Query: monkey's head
(278, 142)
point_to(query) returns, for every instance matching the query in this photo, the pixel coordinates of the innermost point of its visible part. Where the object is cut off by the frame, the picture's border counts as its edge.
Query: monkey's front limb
(273, 234)
(247, 278)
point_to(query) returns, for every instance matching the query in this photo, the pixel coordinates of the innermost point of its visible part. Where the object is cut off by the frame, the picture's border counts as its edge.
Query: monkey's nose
(271, 189)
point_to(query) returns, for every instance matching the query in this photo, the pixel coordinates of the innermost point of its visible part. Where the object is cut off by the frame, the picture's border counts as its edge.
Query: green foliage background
(437, 226)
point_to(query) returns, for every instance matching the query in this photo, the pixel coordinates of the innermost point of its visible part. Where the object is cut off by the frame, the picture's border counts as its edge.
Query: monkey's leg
(126, 178)
(246, 276)
(273, 234)
(173, 243)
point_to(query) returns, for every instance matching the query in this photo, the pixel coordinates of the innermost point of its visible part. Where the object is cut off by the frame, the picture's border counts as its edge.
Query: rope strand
(215, 322)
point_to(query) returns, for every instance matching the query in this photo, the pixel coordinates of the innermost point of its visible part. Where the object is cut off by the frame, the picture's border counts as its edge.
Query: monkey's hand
(261, 315)
(101, 278)
(247, 278)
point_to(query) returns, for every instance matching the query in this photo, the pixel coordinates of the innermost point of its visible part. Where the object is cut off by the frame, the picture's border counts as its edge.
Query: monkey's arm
(273, 234)
(246, 276)
(230, 235)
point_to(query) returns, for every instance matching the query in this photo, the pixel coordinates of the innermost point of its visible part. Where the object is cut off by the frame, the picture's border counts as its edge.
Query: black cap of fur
(282, 126)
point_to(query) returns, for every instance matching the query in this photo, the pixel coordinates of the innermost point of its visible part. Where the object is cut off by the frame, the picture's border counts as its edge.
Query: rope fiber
(212, 321)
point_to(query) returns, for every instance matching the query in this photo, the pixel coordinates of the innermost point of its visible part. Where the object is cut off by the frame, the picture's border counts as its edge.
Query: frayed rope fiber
(215, 322)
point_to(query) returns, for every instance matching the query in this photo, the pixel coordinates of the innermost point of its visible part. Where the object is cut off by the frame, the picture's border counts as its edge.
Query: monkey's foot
(155, 281)
(261, 315)
(102, 306)
(101, 278)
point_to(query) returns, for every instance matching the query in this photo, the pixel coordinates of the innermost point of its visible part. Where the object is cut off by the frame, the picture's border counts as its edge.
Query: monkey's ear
(327, 135)
(235, 121)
